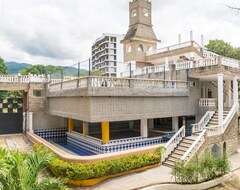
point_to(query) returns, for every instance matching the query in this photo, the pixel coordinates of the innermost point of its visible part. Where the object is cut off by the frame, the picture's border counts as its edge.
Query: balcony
(207, 102)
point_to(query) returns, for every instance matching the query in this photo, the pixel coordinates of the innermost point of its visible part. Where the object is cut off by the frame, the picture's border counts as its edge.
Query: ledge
(204, 185)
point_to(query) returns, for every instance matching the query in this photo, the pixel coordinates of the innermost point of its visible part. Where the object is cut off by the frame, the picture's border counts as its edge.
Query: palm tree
(21, 171)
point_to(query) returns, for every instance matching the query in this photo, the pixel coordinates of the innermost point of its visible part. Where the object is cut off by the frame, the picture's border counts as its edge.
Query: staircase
(214, 120)
(186, 145)
(180, 150)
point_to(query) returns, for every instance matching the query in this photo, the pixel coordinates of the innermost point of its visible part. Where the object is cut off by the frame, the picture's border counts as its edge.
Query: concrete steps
(179, 151)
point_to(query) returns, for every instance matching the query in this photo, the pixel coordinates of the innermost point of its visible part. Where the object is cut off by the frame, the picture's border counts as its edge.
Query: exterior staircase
(179, 151)
(186, 142)
(214, 120)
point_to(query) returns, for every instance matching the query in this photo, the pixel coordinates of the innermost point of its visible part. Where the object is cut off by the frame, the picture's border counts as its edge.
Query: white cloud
(61, 32)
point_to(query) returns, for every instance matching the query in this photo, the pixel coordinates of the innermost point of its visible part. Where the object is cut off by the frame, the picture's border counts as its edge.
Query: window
(140, 48)
(150, 48)
(145, 12)
(134, 12)
(128, 48)
(37, 93)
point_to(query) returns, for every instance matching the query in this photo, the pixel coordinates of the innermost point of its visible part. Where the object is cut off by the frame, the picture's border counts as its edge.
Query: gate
(11, 116)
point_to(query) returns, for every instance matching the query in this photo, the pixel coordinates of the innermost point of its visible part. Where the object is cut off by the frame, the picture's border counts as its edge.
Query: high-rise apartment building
(107, 54)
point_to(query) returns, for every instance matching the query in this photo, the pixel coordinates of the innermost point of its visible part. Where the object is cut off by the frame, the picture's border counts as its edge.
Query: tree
(21, 171)
(223, 48)
(3, 67)
(40, 69)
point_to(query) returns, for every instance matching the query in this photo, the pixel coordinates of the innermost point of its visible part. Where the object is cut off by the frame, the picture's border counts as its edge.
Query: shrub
(79, 171)
(196, 171)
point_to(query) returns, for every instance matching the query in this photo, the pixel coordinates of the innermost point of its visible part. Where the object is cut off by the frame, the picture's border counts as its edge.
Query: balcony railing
(208, 102)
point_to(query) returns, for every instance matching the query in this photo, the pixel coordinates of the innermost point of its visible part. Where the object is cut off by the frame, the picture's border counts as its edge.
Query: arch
(134, 13)
(216, 151)
(128, 48)
(150, 48)
(140, 48)
(145, 12)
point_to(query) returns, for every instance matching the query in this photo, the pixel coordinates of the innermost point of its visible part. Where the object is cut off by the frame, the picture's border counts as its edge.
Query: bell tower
(140, 37)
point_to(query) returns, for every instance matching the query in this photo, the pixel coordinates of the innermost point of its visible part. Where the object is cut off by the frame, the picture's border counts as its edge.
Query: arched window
(150, 48)
(145, 12)
(128, 48)
(140, 48)
(134, 12)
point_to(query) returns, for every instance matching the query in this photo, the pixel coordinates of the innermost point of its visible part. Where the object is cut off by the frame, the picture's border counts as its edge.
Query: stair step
(180, 152)
(175, 155)
(183, 144)
(173, 159)
(182, 148)
(189, 141)
(168, 164)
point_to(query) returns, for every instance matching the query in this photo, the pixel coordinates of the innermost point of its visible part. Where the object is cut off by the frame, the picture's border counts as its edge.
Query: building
(183, 97)
(107, 54)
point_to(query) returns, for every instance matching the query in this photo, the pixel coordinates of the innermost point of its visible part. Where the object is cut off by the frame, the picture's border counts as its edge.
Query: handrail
(174, 141)
(194, 147)
(203, 122)
(230, 115)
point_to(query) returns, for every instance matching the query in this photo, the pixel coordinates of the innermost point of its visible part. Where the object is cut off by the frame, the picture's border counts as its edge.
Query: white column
(204, 91)
(144, 128)
(30, 122)
(235, 90)
(220, 98)
(175, 124)
(24, 122)
(150, 123)
(228, 94)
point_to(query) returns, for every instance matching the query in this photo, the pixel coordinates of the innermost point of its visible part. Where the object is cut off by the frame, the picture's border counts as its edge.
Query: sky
(61, 32)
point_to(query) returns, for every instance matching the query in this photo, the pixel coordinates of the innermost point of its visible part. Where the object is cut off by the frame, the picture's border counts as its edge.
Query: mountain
(15, 68)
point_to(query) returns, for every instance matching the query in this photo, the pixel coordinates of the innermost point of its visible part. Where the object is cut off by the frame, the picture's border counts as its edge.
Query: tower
(140, 37)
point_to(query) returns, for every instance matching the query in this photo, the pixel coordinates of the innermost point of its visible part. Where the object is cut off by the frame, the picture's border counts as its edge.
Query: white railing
(184, 65)
(174, 47)
(173, 142)
(230, 116)
(206, 62)
(194, 147)
(209, 54)
(230, 62)
(207, 102)
(23, 79)
(203, 122)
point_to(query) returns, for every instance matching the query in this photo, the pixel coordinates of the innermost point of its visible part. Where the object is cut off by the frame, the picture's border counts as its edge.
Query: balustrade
(207, 102)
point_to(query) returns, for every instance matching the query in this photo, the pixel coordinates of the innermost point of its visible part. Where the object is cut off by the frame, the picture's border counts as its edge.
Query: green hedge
(78, 171)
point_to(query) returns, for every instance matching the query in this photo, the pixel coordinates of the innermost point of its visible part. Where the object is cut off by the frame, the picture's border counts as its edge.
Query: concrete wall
(113, 108)
(45, 121)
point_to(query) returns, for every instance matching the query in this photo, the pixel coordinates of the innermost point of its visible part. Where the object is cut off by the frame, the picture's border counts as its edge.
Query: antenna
(191, 35)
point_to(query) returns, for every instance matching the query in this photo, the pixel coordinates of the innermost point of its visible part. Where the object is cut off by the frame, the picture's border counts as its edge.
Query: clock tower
(140, 37)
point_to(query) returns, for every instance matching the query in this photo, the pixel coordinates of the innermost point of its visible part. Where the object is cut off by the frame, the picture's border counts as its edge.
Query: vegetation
(21, 171)
(3, 67)
(223, 48)
(197, 171)
(15, 68)
(78, 171)
(40, 69)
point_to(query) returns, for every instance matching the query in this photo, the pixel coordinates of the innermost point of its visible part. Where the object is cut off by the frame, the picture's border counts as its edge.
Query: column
(150, 123)
(70, 125)
(30, 122)
(228, 94)
(131, 124)
(220, 98)
(105, 132)
(204, 91)
(175, 124)
(235, 90)
(85, 128)
(144, 128)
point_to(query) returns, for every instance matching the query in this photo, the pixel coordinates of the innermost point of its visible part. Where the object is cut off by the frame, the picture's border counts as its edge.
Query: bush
(78, 171)
(196, 171)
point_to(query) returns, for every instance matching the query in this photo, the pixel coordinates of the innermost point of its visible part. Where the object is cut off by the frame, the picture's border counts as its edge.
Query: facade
(107, 54)
(183, 97)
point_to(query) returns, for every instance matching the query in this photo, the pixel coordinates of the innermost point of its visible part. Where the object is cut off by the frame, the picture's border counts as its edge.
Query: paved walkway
(15, 142)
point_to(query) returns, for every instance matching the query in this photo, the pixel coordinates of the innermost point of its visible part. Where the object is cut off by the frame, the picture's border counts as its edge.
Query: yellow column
(105, 132)
(70, 125)
(85, 128)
